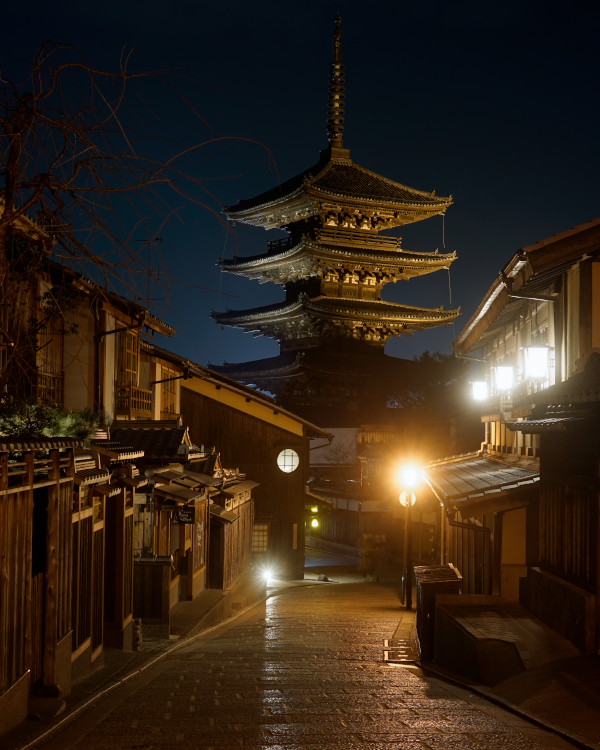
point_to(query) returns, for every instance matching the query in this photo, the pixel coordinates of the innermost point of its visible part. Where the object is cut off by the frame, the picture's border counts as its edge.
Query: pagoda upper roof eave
(309, 203)
(319, 183)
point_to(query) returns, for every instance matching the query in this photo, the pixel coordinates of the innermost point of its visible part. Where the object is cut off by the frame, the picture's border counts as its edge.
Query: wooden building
(522, 512)
(268, 444)
(36, 564)
(333, 325)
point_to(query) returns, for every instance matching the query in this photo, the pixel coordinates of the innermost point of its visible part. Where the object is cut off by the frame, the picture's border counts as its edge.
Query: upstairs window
(129, 357)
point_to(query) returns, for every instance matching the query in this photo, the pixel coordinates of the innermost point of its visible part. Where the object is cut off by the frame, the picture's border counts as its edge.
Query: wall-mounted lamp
(505, 378)
(480, 390)
(536, 360)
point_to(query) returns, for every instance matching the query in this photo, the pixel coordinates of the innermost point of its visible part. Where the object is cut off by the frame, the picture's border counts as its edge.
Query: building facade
(521, 513)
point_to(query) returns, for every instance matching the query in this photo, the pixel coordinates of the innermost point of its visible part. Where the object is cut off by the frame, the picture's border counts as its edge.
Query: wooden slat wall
(97, 588)
(82, 534)
(65, 571)
(128, 567)
(238, 544)
(469, 550)
(568, 522)
(253, 445)
(16, 511)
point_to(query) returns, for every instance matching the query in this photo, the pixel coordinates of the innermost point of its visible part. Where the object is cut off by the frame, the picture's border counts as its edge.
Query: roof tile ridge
(390, 181)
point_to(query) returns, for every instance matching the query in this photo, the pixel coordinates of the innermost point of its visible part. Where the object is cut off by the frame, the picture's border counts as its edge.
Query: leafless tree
(80, 181)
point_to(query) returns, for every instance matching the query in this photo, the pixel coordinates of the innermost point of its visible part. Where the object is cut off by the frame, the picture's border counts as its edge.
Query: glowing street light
(409, 477)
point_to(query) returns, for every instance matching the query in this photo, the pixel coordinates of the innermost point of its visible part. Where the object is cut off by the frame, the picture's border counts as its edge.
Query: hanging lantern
(505, 378)
(536, 361)
(480, 390)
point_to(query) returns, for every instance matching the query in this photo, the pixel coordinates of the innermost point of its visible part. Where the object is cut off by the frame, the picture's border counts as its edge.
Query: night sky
(496, 104)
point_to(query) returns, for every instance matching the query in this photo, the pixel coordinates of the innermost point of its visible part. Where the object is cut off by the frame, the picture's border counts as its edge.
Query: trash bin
(432, 580)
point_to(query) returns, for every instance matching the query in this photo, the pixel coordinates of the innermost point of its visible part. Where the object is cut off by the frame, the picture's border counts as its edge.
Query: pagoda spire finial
(335, 123)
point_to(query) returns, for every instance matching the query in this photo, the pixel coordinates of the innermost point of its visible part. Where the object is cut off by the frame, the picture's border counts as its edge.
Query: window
(288, 460)
(50, 379)
(169, 391)
(260, 538)
(129, 358)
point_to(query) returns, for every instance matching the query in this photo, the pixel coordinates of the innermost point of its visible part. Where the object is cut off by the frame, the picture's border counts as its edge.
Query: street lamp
(409, 477)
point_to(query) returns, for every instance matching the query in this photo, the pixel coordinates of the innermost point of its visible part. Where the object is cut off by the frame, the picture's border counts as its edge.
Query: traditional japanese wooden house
(334, 324)
(522, 512)
(267, 443)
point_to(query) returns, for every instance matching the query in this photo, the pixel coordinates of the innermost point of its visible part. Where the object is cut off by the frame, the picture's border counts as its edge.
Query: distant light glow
(480, 390)
(505, 377)
(536, 361)
(314, 522)
(267, 574)
(408, 476)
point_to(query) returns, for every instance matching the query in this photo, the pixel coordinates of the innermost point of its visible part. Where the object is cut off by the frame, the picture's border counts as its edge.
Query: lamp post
(409, 478)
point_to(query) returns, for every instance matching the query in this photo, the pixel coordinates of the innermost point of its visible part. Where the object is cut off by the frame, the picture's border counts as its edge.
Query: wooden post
(52, 565)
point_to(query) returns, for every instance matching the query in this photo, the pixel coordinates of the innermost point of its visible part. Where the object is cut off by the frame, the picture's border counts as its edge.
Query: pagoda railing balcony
(358, 238)
(133, 402)
(343, 237)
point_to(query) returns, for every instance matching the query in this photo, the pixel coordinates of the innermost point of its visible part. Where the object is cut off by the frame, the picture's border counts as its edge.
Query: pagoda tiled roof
(346, 252)
(338, 307)
(324, 359)
(341, 178)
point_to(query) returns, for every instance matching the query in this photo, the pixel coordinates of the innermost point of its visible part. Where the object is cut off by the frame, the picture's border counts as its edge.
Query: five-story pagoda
(333, 325)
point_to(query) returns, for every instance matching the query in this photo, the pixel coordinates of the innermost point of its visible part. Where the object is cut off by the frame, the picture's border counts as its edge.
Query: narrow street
(303, 670)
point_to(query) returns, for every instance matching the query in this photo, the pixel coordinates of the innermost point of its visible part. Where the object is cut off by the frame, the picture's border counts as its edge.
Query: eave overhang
(477, 481)
(335, 183)
(309, 258)
(550, 424)
(532, 271)
(334, 308)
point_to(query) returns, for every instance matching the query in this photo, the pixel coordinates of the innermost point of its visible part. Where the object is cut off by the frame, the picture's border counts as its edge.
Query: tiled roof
(219, 513)
(91, 476)
(239, 487)
(551, 424)
(10, 444)
(475, 477)
(177, 492)
(117, 450)
(344, 179)
(346, 252)
(155, 442)
(377, 308)
(582, 388)
(351, 180)
(340, 306)
(190, 479)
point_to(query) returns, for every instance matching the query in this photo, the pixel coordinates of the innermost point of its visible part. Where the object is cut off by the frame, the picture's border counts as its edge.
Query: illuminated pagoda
(333, 325)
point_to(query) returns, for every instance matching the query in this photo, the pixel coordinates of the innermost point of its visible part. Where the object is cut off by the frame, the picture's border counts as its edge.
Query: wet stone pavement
(303, 671)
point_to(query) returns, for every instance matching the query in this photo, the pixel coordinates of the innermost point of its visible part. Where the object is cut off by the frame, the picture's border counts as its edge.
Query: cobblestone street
(303, 671)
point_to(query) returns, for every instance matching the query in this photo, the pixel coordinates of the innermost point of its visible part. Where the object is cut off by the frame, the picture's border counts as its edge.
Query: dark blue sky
(495, 104)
